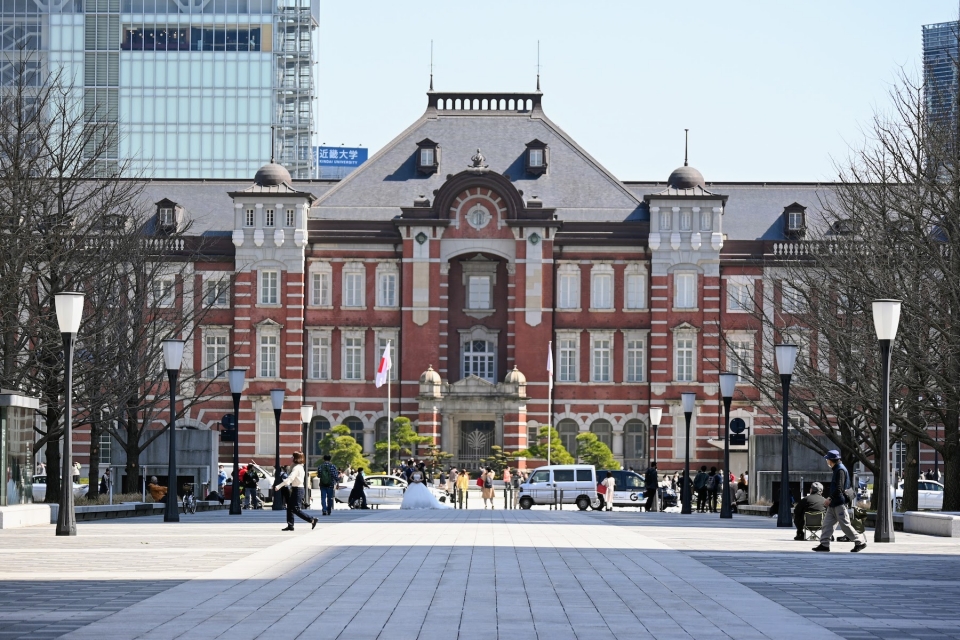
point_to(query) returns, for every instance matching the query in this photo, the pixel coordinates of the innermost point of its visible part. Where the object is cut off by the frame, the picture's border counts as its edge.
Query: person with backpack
(841, 494)
(327, 474)
(487, 487)
(250, 481)
(700, 488)
(713, 485)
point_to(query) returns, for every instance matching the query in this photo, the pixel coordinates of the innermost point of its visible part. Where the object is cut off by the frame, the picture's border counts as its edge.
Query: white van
(569, 483)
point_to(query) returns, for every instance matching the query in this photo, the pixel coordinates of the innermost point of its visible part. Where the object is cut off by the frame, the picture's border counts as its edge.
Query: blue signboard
(339, 156)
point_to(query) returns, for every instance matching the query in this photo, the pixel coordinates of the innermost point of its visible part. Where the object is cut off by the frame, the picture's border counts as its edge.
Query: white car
(265, 484)
(40, 489)
(566, 483)
(383, 489)
(929, 495)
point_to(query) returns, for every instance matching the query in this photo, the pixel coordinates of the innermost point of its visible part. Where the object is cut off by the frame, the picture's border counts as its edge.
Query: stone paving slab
(465, 574)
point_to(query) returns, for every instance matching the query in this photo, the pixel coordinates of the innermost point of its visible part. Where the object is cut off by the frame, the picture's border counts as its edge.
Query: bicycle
(189, 500)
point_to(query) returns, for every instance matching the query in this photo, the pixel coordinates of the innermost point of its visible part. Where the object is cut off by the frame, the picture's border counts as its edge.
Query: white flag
(384, 369)
(550, 363)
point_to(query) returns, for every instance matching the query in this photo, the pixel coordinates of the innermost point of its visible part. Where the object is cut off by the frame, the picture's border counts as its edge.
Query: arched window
(635, 443)
(479, 359)
(568, 430)
(604, 431)
(381, 430)
(319, 427)
(356, 428)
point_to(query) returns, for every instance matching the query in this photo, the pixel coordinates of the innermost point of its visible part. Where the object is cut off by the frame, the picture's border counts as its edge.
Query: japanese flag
(384, 369)
(550, 363)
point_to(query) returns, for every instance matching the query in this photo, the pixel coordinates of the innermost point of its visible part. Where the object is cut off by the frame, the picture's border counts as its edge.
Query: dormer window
(169, 216)
(428, 156)
(795, 221)
(166, 217)
(536, 157)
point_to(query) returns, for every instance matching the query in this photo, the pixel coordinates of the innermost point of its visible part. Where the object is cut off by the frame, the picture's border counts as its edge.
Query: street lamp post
(656, 414)
(276, 398)
(688, 400)
(886, 320)
(236, 388)
(786, 360)
(69, 305)
(172, 359)
(306, 415)
(728, 384)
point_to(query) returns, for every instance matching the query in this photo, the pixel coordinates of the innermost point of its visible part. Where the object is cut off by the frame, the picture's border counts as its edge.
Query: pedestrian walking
(358, 497)
(487, 490)
(327, 477)
(294, 482)
(76, 473)
(515, 481)
(452, 480)
(651, 485)
(463, 485)
(608, 485)
(700, 488)
(836, 505)
(105, 482)
(713, 484)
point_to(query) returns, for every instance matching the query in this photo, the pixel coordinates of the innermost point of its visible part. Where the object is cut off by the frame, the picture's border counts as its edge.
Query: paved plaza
(470, 574)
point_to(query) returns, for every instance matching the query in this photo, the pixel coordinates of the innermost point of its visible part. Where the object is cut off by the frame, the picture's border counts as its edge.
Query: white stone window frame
(561, 336)
(385, 270)
(271, 329)
(317, 363)
(249, 217)
(350, 269)
(269, 217)
(320, 268)
(602, 271)
(215, 331)
(735, 340)
(596, 336)
(635, 335)
(635, 270)
(791, 299)
(478, 268)
(692, 277)
(393, 335)
(266, 426)
(164, 291)
(686, 220)
(479, 332)
(706, 218)
(353, 333)
(289, 216)
(680, 432)
(800, 337)
(689, 332)
(262, 288)
(570, 271)
(666, 219)
(220, 279)
(740, 282)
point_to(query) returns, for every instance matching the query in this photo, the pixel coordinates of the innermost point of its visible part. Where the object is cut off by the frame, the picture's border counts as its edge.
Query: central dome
(686, 177)
(272, 175)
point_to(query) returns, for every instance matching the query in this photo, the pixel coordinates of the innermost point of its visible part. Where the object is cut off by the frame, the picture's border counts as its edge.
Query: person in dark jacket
(814, 501)
(713, 488)
(357, 495)
(836, 504)
(700, 488)
(650, 485)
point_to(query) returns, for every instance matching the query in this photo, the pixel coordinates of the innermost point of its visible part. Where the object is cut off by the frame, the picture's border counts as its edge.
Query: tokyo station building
(479, 236)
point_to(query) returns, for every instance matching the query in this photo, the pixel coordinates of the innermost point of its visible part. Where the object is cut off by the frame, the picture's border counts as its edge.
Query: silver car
(40, 489)
(929, 495)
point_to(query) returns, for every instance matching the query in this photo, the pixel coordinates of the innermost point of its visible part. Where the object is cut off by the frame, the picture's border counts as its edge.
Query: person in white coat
(295, 499)
(609, 483)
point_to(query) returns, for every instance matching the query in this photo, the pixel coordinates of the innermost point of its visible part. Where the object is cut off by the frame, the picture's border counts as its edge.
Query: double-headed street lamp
(172, 360)
(786, 360)
(236, 388)
(69, 305)
(276, 398)
(688, 400)
(306, 415)
(656, 414)
(886, 320)
(728, 384)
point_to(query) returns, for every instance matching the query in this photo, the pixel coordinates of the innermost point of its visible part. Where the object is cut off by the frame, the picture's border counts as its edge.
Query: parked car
(40, 489)
(929, 495)
(566, 483)
(384, 489)
(628, 492)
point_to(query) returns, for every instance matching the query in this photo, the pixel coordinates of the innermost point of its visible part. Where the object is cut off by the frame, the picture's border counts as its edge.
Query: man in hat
(836, 504)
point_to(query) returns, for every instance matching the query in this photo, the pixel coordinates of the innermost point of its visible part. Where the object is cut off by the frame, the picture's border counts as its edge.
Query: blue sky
(770, 90)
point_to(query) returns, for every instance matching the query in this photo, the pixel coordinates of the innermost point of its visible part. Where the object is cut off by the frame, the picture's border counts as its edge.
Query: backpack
(326, 478)
(711, 483)
(487, 483)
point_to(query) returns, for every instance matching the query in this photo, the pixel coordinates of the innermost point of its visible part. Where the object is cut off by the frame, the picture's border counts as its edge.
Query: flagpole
(549, 399)
(389, 442)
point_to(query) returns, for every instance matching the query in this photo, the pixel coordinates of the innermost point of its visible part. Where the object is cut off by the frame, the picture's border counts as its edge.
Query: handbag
(480, 482)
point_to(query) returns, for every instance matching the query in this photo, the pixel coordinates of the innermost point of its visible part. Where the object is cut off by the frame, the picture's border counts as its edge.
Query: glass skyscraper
(940, 61)
(199, 88)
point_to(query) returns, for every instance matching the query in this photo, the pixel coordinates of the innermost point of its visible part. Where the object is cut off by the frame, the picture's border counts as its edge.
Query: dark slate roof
(206, 203)
(754, 211)
(575, 184)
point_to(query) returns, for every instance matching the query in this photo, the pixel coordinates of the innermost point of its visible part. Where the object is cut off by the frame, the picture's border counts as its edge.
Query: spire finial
(273, 144)
(538, 65)
(431, 65)
(686, 145)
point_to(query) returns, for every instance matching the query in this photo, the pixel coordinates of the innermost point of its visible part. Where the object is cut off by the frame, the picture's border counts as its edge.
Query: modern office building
(198, 87)
(940, 59)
